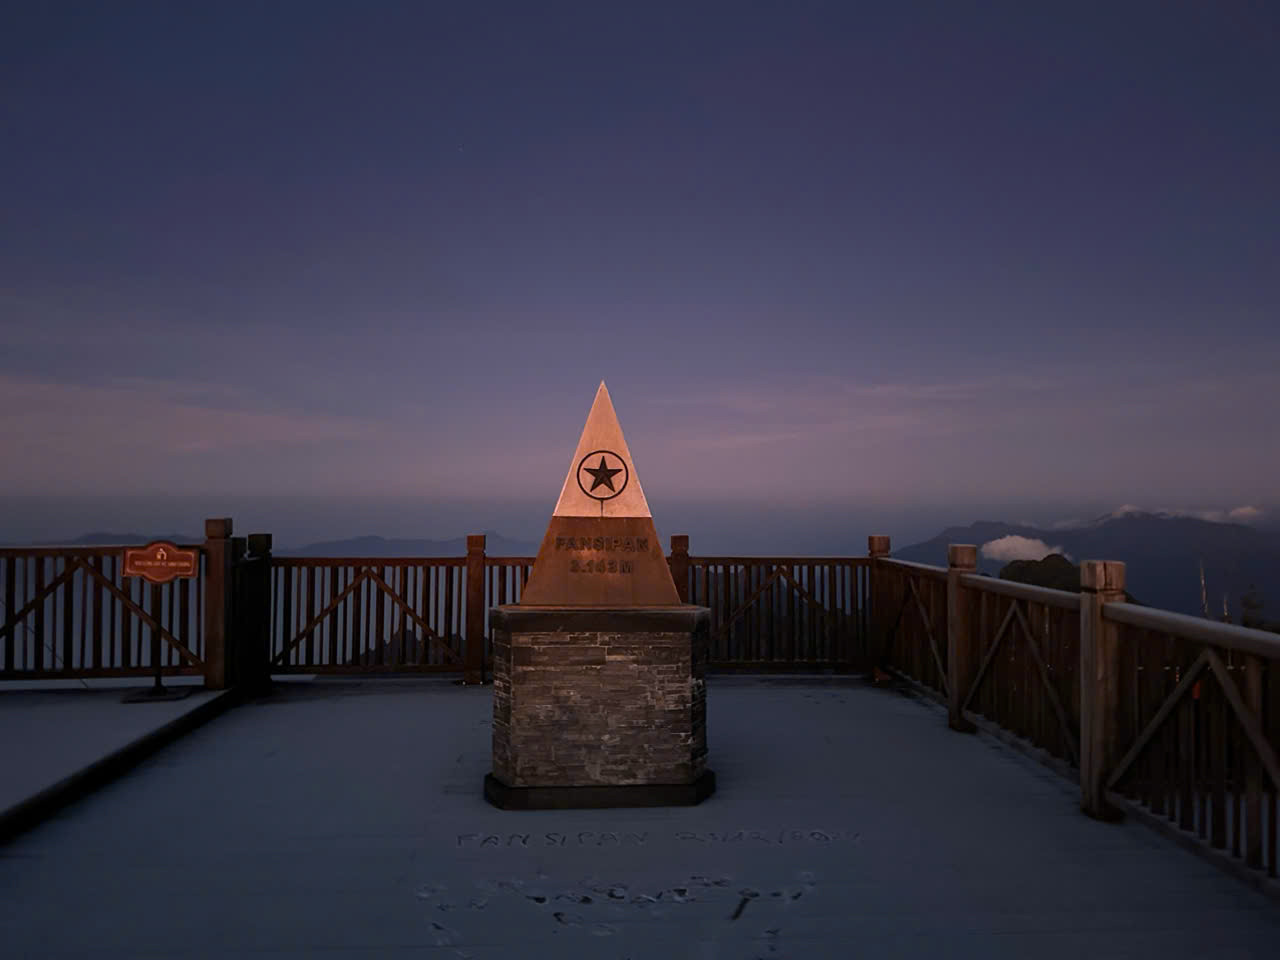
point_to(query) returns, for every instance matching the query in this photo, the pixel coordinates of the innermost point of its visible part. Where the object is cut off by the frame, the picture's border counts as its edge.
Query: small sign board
(160, 561)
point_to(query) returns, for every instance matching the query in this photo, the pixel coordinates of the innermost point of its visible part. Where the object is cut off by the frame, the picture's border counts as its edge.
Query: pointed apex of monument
(602, 479)
(601, 548)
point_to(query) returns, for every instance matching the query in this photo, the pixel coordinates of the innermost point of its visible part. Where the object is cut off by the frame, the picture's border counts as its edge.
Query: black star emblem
(603, 475)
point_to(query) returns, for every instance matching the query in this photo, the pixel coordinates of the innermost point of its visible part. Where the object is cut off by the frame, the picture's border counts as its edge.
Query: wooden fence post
(962, 560)
(1254, 778)
(679, 561)
(254, 643)
(473, 665)
(878, 621)
(217, 600)
(1101, 582)
(234, 634)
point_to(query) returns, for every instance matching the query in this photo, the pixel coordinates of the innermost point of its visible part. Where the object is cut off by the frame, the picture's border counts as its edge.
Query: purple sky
(940, 253)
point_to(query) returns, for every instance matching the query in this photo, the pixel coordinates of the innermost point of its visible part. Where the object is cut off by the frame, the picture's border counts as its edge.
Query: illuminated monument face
(598, 691)
(601, 549)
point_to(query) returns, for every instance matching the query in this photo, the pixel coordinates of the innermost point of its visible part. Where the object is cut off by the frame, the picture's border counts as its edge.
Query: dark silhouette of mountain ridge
(1054, 571)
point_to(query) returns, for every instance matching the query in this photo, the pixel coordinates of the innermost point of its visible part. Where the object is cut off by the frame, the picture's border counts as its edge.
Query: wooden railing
(68, 612)
(1021, 661)
(780, 612)
(1170, 717)
(383, 614)
(911, 598)
(1197, 727)
(505, 578)
(379, 614)
(367, 614)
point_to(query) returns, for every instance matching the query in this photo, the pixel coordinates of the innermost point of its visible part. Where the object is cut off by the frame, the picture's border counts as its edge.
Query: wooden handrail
(1226, 635)
(925, 569)
(1062, 599)
(779, 561)
(278, 561)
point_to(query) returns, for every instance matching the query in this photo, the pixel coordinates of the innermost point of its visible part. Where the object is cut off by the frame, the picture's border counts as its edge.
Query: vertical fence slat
(10, 608)
(38, 564)
(759, 642)
(155, 649)
(436, 616)
(1219, 761)
(86, 601)
(1271, 725)
(185, 636)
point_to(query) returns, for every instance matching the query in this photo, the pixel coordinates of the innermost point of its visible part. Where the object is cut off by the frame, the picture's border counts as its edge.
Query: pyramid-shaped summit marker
(602, 479)
(601, 548)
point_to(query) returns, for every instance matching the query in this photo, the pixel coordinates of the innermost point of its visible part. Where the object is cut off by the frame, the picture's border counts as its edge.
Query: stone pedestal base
(598, 707)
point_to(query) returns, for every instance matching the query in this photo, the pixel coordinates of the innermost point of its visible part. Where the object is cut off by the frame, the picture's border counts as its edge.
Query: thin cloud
(1013, 547)
(1247, 515)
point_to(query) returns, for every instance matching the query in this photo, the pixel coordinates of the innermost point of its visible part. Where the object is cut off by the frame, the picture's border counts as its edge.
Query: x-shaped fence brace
(77, 563)
(928, 632)
(912, 593)
(367, 573)
(1015, 611)
(779, 573)
(907, 596)
(1248, 719)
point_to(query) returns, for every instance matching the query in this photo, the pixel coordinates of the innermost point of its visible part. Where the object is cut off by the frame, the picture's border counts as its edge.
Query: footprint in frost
(444, 936)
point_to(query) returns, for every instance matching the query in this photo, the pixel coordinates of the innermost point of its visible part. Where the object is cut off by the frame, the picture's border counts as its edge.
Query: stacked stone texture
(592, 709)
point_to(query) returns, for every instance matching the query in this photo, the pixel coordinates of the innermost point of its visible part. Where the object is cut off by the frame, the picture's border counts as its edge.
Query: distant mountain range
(1161, 552)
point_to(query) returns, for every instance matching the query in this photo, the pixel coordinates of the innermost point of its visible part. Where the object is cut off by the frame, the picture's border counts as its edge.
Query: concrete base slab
(602, 797)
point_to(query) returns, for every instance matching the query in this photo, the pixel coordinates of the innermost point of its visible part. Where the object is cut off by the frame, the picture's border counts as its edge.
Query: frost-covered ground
(346, 820)
(50, 730)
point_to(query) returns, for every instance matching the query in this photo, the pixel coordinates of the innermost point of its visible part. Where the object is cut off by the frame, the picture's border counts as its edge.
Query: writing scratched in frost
(586, 838)
(591, 838)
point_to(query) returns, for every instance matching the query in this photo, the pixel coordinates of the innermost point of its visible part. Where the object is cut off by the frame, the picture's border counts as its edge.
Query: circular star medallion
(602, 474)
